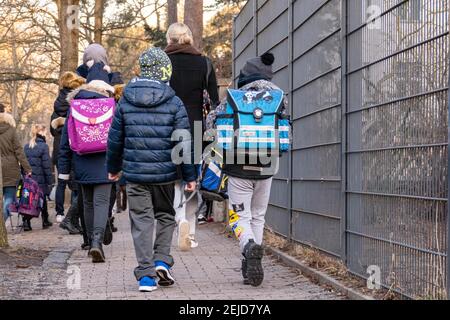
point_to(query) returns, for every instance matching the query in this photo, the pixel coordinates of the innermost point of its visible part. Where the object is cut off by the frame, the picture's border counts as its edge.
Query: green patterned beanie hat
(155, 64)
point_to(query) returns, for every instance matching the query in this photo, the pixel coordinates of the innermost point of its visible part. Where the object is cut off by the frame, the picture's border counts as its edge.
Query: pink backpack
(89, 123)
(29, 199)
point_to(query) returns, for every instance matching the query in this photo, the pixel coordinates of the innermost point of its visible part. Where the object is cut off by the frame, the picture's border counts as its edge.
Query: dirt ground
(22, 258)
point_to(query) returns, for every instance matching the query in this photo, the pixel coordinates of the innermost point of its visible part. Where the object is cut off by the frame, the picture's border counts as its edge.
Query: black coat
(41, 165)
(60, 109)
(89, 168)
(140, 140)
(189, 80)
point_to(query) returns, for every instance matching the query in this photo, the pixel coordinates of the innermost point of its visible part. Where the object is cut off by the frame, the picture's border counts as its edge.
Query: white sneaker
(59, 218)
(8, 222)
(184, 242)
(194, 244)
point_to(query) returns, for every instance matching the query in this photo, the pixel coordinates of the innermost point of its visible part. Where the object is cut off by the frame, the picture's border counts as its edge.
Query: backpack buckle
(258, 114)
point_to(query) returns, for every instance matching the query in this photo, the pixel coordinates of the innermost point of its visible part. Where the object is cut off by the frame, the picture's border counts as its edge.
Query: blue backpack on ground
(213, 182)
(252, 121)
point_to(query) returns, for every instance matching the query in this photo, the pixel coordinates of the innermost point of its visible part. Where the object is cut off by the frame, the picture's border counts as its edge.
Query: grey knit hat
(155, 64)
(260, 65)
(256, 69)
(95, 52)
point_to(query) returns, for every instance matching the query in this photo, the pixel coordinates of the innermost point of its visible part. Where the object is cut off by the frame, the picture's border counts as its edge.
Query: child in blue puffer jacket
(140, 144)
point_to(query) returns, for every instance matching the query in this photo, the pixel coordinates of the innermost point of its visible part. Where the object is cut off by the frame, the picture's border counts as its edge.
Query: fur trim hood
(58, 122)
(118, 91)
(8, 119)
(71, 80)
(88, 87)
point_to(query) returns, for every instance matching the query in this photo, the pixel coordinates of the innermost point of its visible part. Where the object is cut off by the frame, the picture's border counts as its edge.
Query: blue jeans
(9, 194)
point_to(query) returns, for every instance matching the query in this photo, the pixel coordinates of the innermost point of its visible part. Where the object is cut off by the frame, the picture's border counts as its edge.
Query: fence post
(255, 26)
(448, 197)
(344, 130)
(233, 50)
(3, 234)
(291, 108)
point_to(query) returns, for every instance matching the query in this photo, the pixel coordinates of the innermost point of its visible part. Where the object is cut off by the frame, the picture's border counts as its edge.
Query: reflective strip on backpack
(257, 128)
(257, 140)
(214, 168)
(284, 128)
(225, 140)
(92, 121)
(225, 128)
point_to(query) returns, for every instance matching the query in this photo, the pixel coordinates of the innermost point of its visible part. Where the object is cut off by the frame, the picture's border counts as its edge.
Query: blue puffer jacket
(39, 159)
(89, 168)
(140, 141)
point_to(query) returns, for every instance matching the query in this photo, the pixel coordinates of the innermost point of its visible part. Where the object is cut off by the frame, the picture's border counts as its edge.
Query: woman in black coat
(192, 72)
(192, 75)
(37, 153)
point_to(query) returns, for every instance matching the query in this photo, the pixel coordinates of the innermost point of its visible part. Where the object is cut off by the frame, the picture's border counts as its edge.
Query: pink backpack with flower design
(89, 123)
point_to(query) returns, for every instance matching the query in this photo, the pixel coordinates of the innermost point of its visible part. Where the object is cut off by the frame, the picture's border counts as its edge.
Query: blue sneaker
(147, 284)
(163, 272)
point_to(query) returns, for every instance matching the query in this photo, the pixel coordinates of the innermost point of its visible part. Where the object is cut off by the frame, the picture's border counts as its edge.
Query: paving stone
(211, 271)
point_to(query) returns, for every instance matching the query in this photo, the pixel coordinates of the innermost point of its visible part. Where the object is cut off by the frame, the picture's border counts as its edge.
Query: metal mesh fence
(367, 177)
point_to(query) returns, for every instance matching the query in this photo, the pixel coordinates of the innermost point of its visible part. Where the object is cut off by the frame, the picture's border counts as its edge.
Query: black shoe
(27, 225)
(46, 224)
(86, 246)
(253, 254)
(107, 239)
(96, 251)
(77, 226)
(244, 272)
(113, 228)
(68, 226)
(202, 219)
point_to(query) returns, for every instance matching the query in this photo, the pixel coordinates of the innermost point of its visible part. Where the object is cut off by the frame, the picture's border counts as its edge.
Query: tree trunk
(193, 17)
(172, 12)
(15, 85)
(158, 16)
(98, 13)
(3, 235)
(68, 33)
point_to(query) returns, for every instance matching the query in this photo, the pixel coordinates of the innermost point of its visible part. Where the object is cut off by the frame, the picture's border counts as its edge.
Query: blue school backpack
(253, 120)
(213, 182)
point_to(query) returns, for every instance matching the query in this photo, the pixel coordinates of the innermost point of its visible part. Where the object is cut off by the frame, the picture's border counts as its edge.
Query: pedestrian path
(211, 271)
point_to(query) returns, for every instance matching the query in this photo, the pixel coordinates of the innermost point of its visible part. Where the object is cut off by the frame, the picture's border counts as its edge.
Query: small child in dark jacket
(38, 156)
(140, 143)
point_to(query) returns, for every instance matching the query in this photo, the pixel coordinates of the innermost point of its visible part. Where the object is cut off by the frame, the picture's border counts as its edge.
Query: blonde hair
(35, 130)
(179, 33)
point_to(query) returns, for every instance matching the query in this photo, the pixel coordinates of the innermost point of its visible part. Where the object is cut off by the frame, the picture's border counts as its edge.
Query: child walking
(249, 182)
(90, 169)
(37, 153)
(140, 144)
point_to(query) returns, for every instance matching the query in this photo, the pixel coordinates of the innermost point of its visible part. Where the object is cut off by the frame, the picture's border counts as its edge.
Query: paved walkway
(211, 271)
